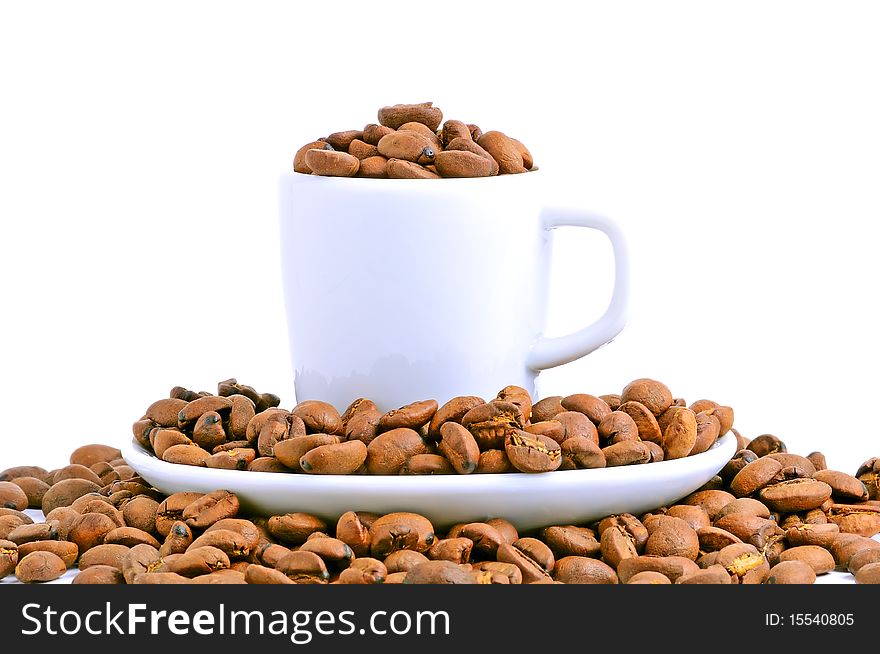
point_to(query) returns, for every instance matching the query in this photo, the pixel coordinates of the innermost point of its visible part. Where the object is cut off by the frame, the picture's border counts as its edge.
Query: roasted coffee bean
(625, 453)
(746, 505)
(739, 461)
(99, 575)
(755, 476)
(334, 459)
(457, 550)
(459, 446)
(547, 409)
(319, 417)
(493, 461)
(130, 536)
(178, 540)
(654, 395)
(331, 163)
(869, 474)
(818, 558)
(25, 533)
(645, 421)
(295, 528)
(402, 530)
(304, 567)
(750, 529)
(412, 416)
(352, 531)
(861, 519)
(504, 150)
(364, 570)
(402, 169)
(672, 567)
(570, 540)
(674, 539)
(581, 453)
(844, 487)
(110, 554)
(795, 495)
(617, 426)
(583, 570)
(490, 423)
(210, 508)
(198, 561)
(713, 574)
(67, 551)
(680, 435)
(532, 571)
(649, 577)
(65, 492)
(549, 428)
(232, 543)
(26, 471)
(170, 510)
(453, 411)
(90, 530)
(39, 567)
(844, 546)
(791, 572)
(439, 572)
(291, 451)
(708, 430)
(235, 459)
(388, 452)
(577, 425)
(744, 563)
(858, 560)
(395, 116)
(617, 544)
(33, 488)
(711, 500)
(342, 140)
(427, 464)
(532, 452)
(868, 574)
(8, 557)
(591, 406)
(188, 455)
(259, 574)
(766, 444)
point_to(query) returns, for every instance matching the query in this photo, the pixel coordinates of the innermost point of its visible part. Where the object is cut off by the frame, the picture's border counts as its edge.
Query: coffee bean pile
(241, 429)
(409, 144)
(769, 517)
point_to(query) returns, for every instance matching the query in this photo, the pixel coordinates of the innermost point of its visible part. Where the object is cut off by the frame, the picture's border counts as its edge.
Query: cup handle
(555, 351)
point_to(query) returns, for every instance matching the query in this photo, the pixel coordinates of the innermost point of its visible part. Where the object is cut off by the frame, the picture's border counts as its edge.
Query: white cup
(402, 289)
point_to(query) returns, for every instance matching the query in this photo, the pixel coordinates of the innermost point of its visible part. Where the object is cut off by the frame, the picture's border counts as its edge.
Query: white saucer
(528, 501)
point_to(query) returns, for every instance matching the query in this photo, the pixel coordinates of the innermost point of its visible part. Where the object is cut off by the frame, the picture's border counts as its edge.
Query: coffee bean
(402, 530)
(210, 508)
(766, 444)
(399, 114)
(532, 452)
(334, 459)
(645, 421)
(791, 572)
(547, 409)
(388, 452)
(295, 528)
(490, 423)
(39, 567)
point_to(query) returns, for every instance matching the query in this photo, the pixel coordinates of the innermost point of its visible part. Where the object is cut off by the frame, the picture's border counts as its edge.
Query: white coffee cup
(402, 289)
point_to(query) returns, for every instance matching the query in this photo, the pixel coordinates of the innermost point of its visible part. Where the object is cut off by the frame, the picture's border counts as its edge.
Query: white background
(738, 145)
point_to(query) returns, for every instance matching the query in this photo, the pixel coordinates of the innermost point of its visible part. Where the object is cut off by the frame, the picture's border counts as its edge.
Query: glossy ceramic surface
(400, 290)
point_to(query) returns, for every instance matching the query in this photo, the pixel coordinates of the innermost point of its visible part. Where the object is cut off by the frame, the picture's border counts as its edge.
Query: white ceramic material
(402, 289)
(529, 501)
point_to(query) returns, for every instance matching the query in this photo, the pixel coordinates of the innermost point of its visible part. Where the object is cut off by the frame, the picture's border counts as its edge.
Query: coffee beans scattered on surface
(409, 143)
(769, 517)
(238, 429)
